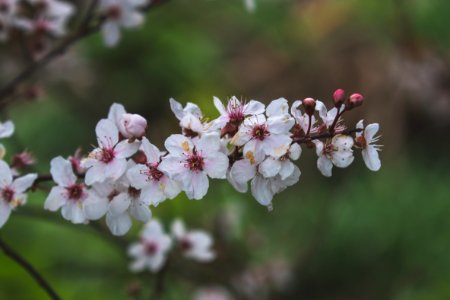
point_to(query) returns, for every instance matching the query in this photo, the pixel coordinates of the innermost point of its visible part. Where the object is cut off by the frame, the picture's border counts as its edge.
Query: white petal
(95, 174)
(287, 168)
(342, 142)
(280, 124)
(176, 108)
(172, 166)
(208, 143)
(56, 198)
(342, 159)
(198, 187)
(277, 107)
(125, 149)
(242, 171)
(270, 167)
(116, 111)
(5, 211)
(151, 151)
(62, 172)
(178, 144)
(119, 224)
(137, 176)
(178, 229)
(216, 165)
(219, 105)
(370, 131)
(171, 189)
(119, 204)
(111, 33)
(276, 145)
(371, 158)
(324, 165)
(5, 174)
(140, 211)
(254, 108)
(107, 133)
(295, 151)
(153, 193)
(261, 190)
(73, 211)
(95, 207)
(115, 168)
(23, 183)
(6, 129)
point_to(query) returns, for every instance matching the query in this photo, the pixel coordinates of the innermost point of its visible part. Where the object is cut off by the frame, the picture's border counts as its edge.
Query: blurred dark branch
(88, 27)
(29, 269)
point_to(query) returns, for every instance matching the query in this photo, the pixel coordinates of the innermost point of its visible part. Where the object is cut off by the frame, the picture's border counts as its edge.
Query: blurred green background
(358, 235)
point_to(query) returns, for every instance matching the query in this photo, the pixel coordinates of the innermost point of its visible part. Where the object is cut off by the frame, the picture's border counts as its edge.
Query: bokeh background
(358, 235)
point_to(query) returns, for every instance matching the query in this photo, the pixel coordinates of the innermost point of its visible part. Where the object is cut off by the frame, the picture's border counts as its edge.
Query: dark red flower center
(107, 155)
(8, 194)
(260, 132)
(185, 244)
(114, 12)
(153, 173)
(75, 191)
(151, 248)
(195, 162)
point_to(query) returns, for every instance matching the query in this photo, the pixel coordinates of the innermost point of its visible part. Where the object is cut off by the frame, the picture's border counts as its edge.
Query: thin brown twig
(11, 253)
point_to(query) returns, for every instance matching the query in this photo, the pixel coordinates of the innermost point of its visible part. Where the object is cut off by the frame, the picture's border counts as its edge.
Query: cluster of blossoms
(13, 187)
(249, 142)
(43, 19)
(152, 250)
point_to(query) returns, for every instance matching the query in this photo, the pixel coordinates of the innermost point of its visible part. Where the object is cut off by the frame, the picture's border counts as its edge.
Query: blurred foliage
(360, 235)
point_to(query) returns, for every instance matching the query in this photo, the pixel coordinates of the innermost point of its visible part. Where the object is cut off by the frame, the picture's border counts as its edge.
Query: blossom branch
(85, 30)
(29, 269)
(325, 136)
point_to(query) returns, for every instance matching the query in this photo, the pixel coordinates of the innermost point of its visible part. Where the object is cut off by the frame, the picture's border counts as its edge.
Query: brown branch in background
(85, 30)
(29, 269)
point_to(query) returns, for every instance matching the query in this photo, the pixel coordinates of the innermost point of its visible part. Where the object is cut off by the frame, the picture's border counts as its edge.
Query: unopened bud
(339, 97)
(355, 100)
(133, 126)
(22, 160)
(310, 106)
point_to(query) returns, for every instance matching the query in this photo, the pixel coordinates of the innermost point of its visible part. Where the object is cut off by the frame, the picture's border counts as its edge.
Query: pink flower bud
(355, 100)
(310, 106)
(339, 97)
(22, 160)
(133, 126)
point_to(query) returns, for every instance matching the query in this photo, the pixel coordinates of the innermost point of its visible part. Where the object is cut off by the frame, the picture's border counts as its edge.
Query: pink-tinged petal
(198, 187)
(151, 151)
(95, 207)
(295, 151)
(153, 193)
(5, 211)
(370, 131)
(6, 129)
(319, 147)
(178, 229)
(125, 149)
(280, 124)
(136, 250)
(295, 112)
(137, 176)
(119, 224)
(140, 211)
(276, 145)
(371, 158)
(62, 172)
(119, 204)
(111, 33)
(254, 108)
(178, 144)
(216, 165)
(261, 190)
(324, 165)
(287, 168)
(208, 143)
(107, 133)
(95, 174)
(156, 262)
(172, 166)
(115, 168)
(151, 229)
(242, 171)
(172, 188)
(23, 183)
(331, 115)
(56, 198)
(277, 107)
(270, 167)
(176, 108)
(116, 111)
(5, 174)
(219, 105)
(73, 211)
(191, 122)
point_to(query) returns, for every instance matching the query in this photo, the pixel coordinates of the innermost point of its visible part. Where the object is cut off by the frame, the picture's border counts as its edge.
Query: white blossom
(6, 129)
(191, 161)
(190, 118)
(77, 203)
(153, 183)
(366, 140)
(129, 125)
(336, 152)
(12, 191)
(195, 244)
(108, 161)
(151, 251)
(120, 13)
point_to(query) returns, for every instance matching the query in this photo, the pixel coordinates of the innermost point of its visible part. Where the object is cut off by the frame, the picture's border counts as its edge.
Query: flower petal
(62, 172)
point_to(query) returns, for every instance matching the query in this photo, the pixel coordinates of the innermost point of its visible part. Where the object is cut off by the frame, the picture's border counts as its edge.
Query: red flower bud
(310, 106)
(355, 100)
(339, 97)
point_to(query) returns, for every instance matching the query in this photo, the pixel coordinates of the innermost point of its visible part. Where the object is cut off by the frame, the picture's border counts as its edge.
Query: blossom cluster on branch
(249, 142)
